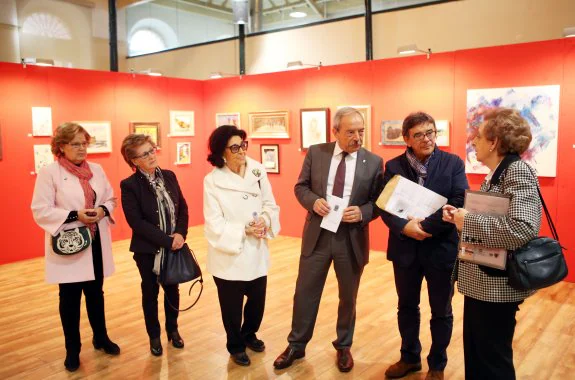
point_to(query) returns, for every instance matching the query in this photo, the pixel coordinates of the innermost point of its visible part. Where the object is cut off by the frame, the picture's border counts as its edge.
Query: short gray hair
(343, 112)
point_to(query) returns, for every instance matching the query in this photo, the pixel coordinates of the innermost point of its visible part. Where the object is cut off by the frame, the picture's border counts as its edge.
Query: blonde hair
(509, 128)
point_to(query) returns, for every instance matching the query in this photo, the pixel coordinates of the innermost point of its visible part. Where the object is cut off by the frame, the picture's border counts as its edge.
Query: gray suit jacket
(312, 184)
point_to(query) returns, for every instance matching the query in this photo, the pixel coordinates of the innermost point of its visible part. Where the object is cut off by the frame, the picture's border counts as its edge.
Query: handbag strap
(548, 216)
(199, 280)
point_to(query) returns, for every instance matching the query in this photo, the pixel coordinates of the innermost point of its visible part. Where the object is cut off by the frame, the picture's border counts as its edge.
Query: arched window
(145, 41)
(46, 25)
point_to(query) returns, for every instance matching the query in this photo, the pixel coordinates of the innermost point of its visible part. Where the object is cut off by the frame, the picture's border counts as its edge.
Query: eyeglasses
(421, 135)
(151, 152)
(236, 148)
(79, 145)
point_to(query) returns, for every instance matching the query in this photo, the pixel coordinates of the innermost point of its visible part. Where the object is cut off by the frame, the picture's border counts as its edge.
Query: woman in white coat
(72, 193)
(240, 215)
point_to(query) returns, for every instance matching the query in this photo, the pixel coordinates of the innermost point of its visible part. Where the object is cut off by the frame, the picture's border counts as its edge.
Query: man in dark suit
(345, 170)
(426, 247)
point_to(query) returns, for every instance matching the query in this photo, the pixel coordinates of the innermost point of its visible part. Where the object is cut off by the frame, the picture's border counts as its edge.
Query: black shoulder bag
(179, 267)
(539, 263)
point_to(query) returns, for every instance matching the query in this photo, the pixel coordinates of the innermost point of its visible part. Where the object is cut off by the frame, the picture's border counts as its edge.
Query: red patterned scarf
(84, 174)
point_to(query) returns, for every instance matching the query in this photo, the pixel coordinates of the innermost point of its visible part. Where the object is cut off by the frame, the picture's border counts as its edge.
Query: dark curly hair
(218, 142)
(414, 119)
(510, 128)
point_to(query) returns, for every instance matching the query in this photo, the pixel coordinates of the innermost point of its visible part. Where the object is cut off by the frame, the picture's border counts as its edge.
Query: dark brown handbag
(179, 267)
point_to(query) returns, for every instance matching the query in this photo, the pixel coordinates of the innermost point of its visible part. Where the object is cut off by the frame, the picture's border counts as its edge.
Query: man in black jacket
(426, 247)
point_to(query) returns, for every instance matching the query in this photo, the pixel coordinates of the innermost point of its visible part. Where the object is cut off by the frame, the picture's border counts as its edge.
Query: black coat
(141, 210)
(445, 176)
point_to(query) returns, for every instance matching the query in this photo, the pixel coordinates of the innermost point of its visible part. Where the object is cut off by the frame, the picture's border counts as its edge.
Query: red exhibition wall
(393, 88)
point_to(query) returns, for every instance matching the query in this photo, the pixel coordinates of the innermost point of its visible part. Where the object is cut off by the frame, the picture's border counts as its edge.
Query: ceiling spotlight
(38, 61)
(294, 65)
(215, 75)
(411, 49)
(569, 31)
(298, 14)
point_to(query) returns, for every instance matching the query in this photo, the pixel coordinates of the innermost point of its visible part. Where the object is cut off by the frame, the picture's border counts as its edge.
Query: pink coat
(57, 192)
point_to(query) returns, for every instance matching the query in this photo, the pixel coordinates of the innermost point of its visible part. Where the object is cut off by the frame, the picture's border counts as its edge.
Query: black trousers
(71, 298)
(231, 295)
(312, 274)
(150, 291)
(488, 329)
(408, 282)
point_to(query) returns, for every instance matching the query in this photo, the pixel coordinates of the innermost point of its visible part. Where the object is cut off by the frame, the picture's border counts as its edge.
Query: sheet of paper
(479, 202)
(402, 197)
(332, 220)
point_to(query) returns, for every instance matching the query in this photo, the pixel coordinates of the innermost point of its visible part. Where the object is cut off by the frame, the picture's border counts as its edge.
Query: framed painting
(230, 118)
(391, 132)
(41, 121)
(314, 126)
(181, 123)
(270, 154)
(183, 153)
(269, 125)
(151, 129)
(443, 130)
(100, 135)
(42, 156)
(365, 111)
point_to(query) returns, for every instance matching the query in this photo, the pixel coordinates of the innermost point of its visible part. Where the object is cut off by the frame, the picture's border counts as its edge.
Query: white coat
(57, 192)
(229, 204)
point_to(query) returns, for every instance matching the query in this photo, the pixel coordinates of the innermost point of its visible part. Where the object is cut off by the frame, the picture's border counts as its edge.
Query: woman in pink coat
(72, 193)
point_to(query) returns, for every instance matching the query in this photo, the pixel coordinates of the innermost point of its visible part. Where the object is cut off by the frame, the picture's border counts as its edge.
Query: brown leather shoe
(401, 368)
(344, 360)
(434, 374)
(287, 358)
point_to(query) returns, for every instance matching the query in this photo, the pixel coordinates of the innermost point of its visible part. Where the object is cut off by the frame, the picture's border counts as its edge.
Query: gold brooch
(257, 172)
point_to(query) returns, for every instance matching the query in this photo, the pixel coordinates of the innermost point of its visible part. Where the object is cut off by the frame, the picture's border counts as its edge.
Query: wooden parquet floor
(32, 343)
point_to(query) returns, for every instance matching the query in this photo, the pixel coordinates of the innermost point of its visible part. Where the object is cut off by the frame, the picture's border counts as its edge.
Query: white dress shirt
(350, 163)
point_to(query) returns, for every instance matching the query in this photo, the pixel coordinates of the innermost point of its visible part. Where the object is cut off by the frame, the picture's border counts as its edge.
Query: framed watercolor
(41, 121)
(365, 111)
(269, 125)
(183, 153)
(442, 137)
(230, 118)
(181, 123)
(391, 132)
(101, 135)
(151, 129)
(270, 154)
(314, 126)
(42, 156)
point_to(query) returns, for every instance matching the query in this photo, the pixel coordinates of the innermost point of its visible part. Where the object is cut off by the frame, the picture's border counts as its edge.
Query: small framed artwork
(391, 132)
(269, 125)
(230, 118)
(271, 157)
(183, 153)
(100, 135)
(149, 129)
(314, 124)
(365, 111)
(42, 156)
(41, 121)
(443, 130)
(181, 123)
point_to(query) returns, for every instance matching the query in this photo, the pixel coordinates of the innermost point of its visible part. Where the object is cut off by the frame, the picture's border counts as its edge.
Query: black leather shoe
(344, 360)
(176, 339)
(156, 346)
(255, 344)
(72, 362)
(107, 345)
(287, 358)
(241, 358)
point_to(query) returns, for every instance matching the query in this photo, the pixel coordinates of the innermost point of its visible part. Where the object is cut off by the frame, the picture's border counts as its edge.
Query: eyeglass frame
(430, 134)
(77, 146)
(235, 148)
(148, 153)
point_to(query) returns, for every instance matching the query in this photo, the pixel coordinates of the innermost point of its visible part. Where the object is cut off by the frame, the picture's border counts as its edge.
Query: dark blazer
(312, 184)
(141, 211)
(445, 176)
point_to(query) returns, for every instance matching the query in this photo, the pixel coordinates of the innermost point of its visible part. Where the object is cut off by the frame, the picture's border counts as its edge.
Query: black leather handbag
(179, 267)
(539, 263)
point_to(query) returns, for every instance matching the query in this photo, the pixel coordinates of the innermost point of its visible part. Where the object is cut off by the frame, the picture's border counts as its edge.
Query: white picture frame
(228, 118)
(182, 124)
(100, 135)
(41, 121)
(183, 153)
(42, 156)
